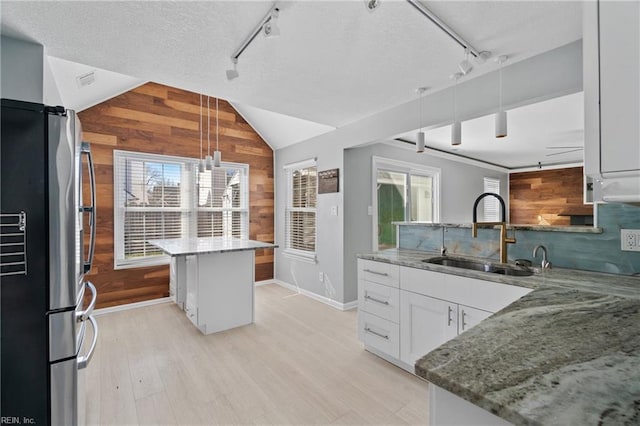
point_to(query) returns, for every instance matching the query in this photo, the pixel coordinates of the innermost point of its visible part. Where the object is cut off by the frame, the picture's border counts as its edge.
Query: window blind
(491, 204)
(302, 193)
(162, 197)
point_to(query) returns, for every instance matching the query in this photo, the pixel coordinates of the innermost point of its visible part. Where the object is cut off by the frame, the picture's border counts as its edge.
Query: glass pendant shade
(501, 124)
(201, 166)
(208, 160)
(216, 158)
(456, 133)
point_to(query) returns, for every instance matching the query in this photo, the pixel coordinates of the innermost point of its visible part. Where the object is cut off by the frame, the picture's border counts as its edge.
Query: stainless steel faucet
(545, 263)
(504, 240)
(443, 248)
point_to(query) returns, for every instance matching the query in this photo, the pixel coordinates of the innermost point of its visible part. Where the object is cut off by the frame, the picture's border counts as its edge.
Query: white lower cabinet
(408, 312)
(425, 324)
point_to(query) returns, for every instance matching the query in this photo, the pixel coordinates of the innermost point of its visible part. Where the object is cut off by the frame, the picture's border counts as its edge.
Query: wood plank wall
(538, 197)
(163, 120)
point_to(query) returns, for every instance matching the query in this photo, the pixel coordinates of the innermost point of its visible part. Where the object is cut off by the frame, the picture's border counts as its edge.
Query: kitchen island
(213, 279)
(568, 352)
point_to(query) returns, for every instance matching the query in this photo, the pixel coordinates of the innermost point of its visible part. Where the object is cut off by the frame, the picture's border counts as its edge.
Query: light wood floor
(300, 363)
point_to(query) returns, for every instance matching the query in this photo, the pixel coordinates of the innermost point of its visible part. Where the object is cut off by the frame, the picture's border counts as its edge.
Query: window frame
(293, 253)
(189, 208)
(488, 201)
(398, 166)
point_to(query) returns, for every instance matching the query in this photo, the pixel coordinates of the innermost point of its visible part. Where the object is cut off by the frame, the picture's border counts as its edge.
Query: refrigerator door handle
(83, 361)
(83, 315)
(86, 150)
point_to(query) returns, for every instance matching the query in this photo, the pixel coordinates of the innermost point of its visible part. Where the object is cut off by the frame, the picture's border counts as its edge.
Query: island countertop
(187, 246)
(566, 353)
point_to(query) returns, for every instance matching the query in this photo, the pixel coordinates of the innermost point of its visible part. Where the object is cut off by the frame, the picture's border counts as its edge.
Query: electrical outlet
(321, 277)
(630, 239)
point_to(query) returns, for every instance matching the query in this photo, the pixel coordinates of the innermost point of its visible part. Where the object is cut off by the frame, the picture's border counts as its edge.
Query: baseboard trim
(128, 306)
(326, 300)
(264, 282)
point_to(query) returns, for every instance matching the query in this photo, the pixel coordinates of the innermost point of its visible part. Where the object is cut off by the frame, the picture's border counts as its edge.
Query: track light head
(482, 57)
(372, 5)
(465, 66)
(231, 74)
(271, 29)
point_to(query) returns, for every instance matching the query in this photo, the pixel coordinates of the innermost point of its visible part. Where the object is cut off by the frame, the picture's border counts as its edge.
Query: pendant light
(216, 154)
(208, 160)
(201, 162)
(501, 115)
(420, 142)
(456, 127)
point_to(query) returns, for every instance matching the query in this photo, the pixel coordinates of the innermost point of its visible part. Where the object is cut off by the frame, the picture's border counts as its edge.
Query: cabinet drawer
(378, 272)
(380, 300)
(379, 334)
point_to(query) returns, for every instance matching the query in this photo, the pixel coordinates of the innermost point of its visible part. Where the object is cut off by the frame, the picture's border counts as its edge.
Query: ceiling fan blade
(563, 152)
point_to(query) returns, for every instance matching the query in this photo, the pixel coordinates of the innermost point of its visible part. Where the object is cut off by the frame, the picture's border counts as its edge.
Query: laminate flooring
(299, 363)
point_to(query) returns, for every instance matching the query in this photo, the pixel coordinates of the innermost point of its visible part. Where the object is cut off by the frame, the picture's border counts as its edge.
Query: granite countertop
(566, 353)
(187, 246)
(511, 226)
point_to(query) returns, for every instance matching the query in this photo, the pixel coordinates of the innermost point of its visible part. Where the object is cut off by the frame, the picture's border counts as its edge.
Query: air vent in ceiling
(86, 79)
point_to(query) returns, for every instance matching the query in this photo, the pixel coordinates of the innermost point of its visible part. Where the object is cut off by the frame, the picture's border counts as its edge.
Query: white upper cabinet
(611, 42)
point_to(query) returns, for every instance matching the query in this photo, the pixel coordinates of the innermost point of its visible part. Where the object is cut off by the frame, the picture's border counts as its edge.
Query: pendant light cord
(217, 132)
(201, 126)
(455, 96)
(500, 86)
(208, 128)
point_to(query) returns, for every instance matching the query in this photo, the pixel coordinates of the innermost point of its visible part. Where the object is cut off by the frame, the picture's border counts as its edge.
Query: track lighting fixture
(372, 5)
(465, 66)
(420, 141)
(233, 73)
(456, 127)
(269, 25)
(216, 154)
(501, 115)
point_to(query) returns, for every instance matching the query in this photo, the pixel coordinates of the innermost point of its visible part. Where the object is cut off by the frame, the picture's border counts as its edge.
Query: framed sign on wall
(328, 181)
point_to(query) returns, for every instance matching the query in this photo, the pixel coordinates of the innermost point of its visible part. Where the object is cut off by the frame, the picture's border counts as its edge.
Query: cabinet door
(425, 324)
(191, 275)
(469, 317)
(619, 86)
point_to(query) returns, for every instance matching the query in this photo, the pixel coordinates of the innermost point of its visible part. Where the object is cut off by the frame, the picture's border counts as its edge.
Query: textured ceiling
(333, 64)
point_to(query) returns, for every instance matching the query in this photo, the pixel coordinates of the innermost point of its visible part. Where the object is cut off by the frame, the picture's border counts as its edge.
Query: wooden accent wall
(538, 197)
(163, 120)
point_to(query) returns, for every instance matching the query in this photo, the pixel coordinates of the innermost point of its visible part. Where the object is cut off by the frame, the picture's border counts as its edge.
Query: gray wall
(22, 70)
(460, 185)
(329, 239)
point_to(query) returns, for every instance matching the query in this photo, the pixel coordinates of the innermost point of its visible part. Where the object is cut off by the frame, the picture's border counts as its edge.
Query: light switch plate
(630, 239)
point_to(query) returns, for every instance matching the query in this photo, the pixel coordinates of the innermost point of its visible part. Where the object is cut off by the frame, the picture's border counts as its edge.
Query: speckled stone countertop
(543, 228)
(566, 353)
(187, 246)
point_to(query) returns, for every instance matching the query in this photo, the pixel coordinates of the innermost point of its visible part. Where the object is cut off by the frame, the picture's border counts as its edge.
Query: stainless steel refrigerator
(47, 239)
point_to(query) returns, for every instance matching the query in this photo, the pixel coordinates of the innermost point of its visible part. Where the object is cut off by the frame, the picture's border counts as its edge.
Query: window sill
(300, 255)
(156, 261)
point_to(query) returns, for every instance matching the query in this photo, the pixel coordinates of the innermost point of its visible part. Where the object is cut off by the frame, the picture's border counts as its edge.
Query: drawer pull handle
(384, 274)
(373, 299)
(368, 330)
(464, 322)
(449, 315)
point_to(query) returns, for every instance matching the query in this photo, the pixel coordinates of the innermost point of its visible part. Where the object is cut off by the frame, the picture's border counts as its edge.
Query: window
(491, 204)
(300, 214)
(160, 197)
(404, 192)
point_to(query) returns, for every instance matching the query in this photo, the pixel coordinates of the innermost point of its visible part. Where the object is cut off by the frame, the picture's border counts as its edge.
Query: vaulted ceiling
(334, 62)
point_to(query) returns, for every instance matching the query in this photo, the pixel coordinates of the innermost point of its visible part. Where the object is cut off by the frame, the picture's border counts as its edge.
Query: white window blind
(491, 204)
(162, 197)
(302, 193)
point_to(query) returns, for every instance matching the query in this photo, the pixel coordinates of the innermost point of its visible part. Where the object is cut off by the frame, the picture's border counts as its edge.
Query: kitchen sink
(477, 265)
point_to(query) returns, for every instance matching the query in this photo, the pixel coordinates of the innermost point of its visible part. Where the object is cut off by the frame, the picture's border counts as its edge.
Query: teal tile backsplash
(587, 251)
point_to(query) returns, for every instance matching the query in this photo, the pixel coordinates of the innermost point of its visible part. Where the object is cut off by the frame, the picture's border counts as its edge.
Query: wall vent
(86, 79)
